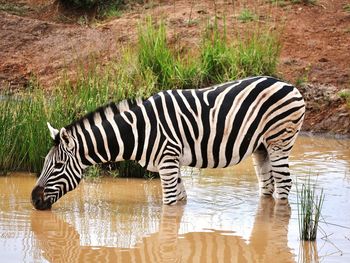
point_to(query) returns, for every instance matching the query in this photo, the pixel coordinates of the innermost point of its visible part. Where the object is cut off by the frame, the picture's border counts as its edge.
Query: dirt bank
(41, 40)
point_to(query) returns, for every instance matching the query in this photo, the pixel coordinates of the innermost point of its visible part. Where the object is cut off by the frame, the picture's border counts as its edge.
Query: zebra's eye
(59, 165)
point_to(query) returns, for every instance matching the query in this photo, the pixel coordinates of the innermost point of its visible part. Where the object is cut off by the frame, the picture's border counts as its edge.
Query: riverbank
(57, 71)
(45, 43)
(327, 113)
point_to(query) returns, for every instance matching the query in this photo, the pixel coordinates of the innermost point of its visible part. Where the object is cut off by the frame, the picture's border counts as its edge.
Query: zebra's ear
(53, 131)
(66, 139)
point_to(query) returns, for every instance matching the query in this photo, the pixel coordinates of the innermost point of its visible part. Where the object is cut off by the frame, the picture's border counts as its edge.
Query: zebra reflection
(59, 241)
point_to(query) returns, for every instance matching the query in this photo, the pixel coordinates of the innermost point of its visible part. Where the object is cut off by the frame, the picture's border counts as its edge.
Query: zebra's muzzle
(38, 199)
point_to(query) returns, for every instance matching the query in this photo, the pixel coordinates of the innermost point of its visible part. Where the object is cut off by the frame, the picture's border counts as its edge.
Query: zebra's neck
(109, 135)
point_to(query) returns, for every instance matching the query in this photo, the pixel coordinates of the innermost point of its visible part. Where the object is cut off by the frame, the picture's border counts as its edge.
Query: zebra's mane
(111, 108)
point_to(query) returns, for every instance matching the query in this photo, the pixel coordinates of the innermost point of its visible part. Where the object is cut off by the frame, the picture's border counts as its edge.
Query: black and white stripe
(212, 127)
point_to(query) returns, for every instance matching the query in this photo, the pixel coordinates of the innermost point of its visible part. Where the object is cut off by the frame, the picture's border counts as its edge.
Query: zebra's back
(221, 125)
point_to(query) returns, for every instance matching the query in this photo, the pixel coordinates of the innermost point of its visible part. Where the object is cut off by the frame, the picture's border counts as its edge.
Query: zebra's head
(61, 172)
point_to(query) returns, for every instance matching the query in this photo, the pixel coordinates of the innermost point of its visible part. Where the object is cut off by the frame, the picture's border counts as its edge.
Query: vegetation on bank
(286, 2)
(142, 71)
(345, 95)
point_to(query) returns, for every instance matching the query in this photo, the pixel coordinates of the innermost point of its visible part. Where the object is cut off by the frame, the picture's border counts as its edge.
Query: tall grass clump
(217, 56)
(257, 54)
(309, 210)
(240, 56)
(305, 2)
(345, 95)
(22, 132)
(246, 16)
(157, 58)
(154, 54)
(283, 3)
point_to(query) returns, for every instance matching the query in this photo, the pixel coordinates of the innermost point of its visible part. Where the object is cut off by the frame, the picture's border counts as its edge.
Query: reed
(155, 57)
(217, 56)
(246, 15)
(22, 132)
(223, 58)
(257, 54)
(309, 210)
(154, 54)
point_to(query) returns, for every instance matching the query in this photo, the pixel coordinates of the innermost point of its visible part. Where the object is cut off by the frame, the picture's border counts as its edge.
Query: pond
(224, 220)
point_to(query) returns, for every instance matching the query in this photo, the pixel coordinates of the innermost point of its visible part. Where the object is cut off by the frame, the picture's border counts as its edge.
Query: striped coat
(212, 127)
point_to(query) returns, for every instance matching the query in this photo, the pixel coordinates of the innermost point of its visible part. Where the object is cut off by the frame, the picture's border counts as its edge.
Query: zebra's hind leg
(279, 145)
(172, 184)
(279, 154)
(263, 171)
(181, 194)
(280, 172)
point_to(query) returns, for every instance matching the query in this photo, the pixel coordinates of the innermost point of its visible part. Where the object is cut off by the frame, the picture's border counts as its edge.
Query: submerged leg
(263, 171)
(181, 194)
(280, 171)
(172, 184)
(279, 147)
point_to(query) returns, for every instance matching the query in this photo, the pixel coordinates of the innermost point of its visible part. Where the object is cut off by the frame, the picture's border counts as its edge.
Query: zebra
(213, 127)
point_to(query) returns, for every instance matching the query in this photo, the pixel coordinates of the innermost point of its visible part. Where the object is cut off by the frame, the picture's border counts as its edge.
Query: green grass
(247, 16)
(309, 210)
(217, 57)
(305, 2)
(223, 58)
(22, 135)
(346, 7)
(284, 3)
(258, 54)
(121, 169)
(154, 54)
(92, 172)
(14, 8)
(111, 9)
(345, 94)
(150, 66)
(83, 20)
(281, 3)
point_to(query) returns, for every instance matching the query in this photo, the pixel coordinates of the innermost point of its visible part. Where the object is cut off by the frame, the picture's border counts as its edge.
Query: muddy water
(223, 220)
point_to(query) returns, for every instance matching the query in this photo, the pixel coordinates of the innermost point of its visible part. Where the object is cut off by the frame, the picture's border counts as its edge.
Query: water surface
(224, 220)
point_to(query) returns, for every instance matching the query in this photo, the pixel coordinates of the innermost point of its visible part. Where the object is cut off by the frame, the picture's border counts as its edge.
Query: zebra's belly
(219, 151)
(208, 160)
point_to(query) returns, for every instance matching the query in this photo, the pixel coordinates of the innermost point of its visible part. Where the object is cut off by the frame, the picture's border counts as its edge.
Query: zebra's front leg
(263, 171)
(172, 184)
(181, 195)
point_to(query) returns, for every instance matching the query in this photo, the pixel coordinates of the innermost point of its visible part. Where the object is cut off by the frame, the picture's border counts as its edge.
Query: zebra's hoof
(169, 202)
(282, 201)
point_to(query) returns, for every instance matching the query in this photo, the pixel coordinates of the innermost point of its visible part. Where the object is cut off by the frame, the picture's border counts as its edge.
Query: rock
(323, 60)
(322, 94)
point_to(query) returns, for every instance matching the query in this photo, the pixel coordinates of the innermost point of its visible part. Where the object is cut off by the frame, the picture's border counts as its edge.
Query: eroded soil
(41, 40)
